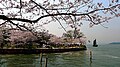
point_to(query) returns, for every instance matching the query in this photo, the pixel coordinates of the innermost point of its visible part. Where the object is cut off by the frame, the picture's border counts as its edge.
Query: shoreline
(40, 50)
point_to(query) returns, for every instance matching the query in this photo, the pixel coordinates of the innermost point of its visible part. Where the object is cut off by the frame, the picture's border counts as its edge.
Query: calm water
(103, 56)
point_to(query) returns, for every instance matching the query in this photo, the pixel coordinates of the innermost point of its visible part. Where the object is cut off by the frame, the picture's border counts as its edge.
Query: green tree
(73, 34)
(4, 37)
(68, 34)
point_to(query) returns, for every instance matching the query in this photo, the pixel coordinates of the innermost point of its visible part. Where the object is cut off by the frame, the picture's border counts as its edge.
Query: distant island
(115, 43)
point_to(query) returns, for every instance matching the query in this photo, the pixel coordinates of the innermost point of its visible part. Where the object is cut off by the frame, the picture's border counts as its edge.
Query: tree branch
(51, 15)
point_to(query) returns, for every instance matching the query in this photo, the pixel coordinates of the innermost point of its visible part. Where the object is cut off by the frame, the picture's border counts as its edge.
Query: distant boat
(94, 43)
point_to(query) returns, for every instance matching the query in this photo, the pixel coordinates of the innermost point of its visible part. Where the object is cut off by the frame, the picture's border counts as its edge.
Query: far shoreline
(114, 43)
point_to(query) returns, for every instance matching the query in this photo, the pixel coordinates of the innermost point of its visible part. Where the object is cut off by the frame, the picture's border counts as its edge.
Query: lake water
(102, 56)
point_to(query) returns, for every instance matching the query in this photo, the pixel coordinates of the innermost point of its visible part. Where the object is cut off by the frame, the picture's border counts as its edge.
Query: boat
(94, 43)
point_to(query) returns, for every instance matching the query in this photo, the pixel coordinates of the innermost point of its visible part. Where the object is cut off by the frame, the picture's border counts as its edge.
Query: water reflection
(71, 59)
(3, 63)
(16, 60)
(68, 59)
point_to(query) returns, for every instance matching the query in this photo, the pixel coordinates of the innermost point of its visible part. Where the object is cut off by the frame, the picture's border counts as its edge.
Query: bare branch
(51, 15)
(3, 23)
(21, 8)
(54, 15)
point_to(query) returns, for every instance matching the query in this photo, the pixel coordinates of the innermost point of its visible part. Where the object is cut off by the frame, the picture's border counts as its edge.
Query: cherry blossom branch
(3, 17)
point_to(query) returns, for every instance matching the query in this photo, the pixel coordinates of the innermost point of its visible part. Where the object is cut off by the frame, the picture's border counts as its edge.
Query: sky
(102, 34)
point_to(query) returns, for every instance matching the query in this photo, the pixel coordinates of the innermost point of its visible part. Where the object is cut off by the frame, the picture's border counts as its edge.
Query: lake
(102, 56)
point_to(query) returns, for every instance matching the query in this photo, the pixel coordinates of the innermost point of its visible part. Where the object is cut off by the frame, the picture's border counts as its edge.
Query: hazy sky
(103, 35)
